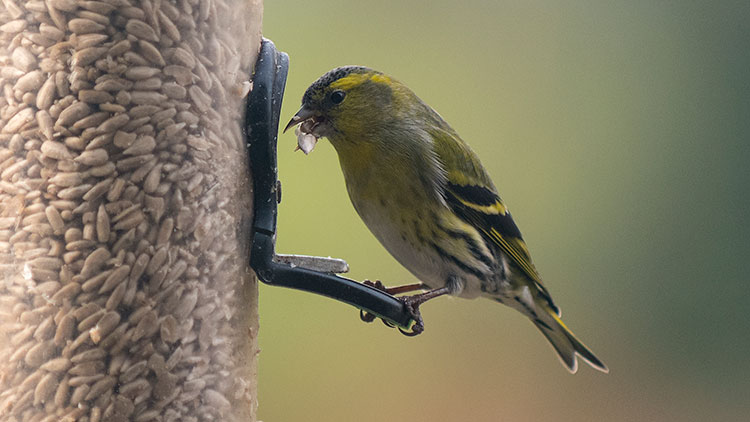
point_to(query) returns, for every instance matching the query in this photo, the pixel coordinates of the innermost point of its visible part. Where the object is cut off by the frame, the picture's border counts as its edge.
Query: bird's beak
(303, 114)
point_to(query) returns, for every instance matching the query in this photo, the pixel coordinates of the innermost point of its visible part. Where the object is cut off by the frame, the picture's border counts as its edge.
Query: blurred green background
(618, 134)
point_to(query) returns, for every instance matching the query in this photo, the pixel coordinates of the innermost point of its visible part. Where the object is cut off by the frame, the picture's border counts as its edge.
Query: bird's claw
(369, 317)
(366, 316)
(411, 302)
(413, 307)
(415, 331)
(376, 284)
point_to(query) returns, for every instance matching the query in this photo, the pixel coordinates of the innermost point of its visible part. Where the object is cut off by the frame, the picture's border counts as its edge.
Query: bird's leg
(413, 303)
(368, 317)
(394, 290)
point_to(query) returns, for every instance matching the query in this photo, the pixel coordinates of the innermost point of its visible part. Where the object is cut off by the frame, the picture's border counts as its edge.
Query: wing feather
(472, 196)
(493, 220)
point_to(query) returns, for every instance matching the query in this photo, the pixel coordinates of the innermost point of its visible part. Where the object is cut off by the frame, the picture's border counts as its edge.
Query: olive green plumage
(427, 198)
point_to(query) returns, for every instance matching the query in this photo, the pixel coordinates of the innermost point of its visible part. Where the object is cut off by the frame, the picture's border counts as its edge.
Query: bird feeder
(311, 274)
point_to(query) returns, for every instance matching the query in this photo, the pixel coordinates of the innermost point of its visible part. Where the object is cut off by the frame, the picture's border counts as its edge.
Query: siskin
(425, 196)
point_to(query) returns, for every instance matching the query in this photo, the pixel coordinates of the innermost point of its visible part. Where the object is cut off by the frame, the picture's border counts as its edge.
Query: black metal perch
(262, 125)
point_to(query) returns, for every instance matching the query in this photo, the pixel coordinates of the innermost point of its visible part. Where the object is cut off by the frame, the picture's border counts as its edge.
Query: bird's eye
(337, 96)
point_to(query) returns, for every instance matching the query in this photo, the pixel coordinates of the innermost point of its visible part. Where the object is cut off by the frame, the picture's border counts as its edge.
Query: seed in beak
(305, 141)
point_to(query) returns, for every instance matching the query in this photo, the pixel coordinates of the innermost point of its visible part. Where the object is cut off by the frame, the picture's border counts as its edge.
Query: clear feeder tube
(124, 211)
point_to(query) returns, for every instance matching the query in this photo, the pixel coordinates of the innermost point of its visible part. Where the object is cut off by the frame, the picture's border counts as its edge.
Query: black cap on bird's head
(330, 77)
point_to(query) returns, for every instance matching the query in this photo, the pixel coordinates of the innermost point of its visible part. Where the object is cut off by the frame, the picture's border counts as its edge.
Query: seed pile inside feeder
(121, 158)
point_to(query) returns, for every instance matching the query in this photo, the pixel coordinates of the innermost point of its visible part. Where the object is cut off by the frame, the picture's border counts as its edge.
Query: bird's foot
(376, 284)
(367, 316)
(364, 315)
(411, 303)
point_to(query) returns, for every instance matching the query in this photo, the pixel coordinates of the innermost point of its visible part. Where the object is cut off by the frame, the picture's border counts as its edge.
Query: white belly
(399, 214)
(421, 259)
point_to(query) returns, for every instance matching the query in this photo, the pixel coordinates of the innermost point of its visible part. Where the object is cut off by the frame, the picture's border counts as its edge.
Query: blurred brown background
(618, 134)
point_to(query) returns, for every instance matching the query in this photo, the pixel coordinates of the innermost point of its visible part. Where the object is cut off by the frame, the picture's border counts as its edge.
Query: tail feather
(566, 344)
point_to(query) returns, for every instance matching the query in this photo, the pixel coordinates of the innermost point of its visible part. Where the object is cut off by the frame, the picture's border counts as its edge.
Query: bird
(425, 196)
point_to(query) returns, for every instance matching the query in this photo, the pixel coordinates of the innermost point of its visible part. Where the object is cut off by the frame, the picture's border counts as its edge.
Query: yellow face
(346, 103)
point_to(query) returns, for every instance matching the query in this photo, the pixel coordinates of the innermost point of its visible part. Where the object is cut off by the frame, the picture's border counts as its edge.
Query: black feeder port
(261, 127)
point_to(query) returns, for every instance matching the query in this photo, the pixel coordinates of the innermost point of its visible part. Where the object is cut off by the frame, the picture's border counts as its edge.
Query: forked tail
(565, 343)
